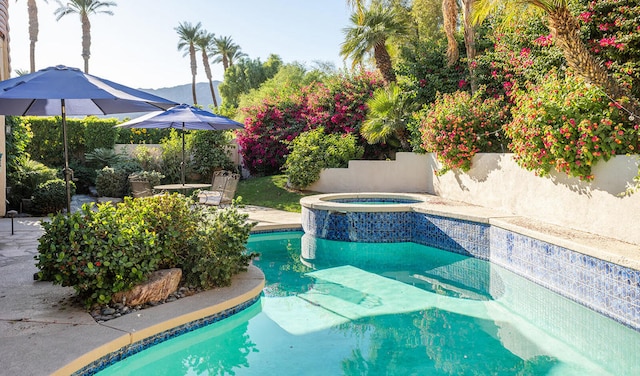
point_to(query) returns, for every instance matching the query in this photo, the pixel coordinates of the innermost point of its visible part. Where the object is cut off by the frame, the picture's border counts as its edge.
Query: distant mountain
(180, 94)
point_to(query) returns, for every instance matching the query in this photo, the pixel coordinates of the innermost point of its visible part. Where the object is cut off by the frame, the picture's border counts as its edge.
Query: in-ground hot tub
(361, 217)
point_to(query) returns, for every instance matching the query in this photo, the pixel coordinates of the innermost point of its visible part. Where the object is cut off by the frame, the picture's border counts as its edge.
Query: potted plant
(142, 182)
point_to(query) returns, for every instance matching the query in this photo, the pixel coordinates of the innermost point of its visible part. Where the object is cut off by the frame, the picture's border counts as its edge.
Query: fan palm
(565, 30)
(84, 8)
(204, 43)
(226, 52)
(189, 35)
(370, 31)
(386, 117)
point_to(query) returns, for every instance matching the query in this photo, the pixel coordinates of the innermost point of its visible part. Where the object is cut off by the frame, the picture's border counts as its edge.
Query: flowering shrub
(267, 128)
(457, 126)
(612, 33)
(339, 106)
(314, 150)
(565, 125)
(514, 58)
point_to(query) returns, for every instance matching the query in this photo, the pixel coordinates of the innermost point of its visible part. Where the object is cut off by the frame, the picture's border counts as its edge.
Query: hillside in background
(180, 94)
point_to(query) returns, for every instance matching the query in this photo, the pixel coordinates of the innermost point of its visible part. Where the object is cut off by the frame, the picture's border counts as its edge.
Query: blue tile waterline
(610, 289)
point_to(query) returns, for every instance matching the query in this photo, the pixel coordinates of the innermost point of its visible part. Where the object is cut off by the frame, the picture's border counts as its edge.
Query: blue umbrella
(183, 117)
(62, 91)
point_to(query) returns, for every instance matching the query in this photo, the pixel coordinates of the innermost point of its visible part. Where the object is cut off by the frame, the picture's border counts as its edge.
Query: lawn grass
(270, 192)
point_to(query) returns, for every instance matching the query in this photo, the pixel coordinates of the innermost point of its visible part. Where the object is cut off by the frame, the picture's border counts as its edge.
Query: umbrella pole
(182, 164)
(67, 171)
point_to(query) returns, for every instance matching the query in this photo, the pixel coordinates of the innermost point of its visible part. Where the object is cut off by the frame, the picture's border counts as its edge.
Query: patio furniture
(180, 187)
(223, 189)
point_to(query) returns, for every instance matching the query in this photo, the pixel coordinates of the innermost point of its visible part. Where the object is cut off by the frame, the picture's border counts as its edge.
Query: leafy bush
(565, 125)
(51, 196)
(83, 177)
(148, 158)
(217, 253)
(98, 253)
(111, 249)
(16, 142)
(112, 182)
(100, 133)
(314, 150)
(46, 143)
(26, 177)
(141, 135)
(172, 155)
(210, 152)
(457, 126)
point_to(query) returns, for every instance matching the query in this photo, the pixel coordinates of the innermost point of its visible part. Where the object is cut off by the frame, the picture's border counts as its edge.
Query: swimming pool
(341, 308)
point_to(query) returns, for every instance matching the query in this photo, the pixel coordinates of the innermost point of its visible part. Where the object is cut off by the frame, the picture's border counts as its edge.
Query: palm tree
(226, 52)
(565, 30)
(32, 9)
(450, 16)
(204, 44)
(370, 32)
(386, 117)
(189, 35)
(84, 8)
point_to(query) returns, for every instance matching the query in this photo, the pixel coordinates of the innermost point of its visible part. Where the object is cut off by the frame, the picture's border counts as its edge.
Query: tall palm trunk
(207, 71)
(383, 62)
(86, 41)
(225, 62)
(470, 42)
(565, 28)
(32, 9)
(450, 18)
(194, 72)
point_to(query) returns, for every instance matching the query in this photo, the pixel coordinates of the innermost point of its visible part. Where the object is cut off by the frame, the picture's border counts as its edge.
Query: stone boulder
(157, 288)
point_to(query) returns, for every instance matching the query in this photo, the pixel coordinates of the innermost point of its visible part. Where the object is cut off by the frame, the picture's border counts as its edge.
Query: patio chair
(223, 189)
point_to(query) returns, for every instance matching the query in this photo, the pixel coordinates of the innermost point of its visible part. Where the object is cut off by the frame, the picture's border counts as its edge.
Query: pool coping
(141, 326)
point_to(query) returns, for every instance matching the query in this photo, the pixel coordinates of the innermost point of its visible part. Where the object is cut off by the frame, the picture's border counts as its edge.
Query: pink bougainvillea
(339, 105)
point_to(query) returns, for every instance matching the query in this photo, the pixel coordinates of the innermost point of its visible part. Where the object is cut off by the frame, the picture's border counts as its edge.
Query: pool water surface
(341, 308)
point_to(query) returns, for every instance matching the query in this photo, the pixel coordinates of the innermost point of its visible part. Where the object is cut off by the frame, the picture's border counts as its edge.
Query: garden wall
(497, 182)
(156, 149)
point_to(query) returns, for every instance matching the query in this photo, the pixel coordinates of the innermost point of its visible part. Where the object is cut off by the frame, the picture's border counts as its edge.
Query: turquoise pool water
(336, 308)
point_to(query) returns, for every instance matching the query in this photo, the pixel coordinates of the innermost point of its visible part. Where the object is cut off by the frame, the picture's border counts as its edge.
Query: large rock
(160, 284)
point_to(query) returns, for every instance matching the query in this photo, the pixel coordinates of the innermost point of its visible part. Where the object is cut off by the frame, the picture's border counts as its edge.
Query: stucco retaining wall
(496, 181)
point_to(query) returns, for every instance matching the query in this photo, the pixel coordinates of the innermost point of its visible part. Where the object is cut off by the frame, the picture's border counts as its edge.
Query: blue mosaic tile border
(453, 235)
(134, 348)
(384, 200)
(367, 227)
(271, 231)
(604, 287)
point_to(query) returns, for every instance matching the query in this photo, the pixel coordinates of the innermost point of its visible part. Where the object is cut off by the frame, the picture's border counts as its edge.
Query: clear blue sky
(137, 46)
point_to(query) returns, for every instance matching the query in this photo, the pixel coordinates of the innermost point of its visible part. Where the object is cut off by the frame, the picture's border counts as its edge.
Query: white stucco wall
(496, 181)
(408, 173)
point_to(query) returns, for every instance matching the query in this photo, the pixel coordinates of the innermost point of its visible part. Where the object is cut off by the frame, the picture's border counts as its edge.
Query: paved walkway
(40, 332)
